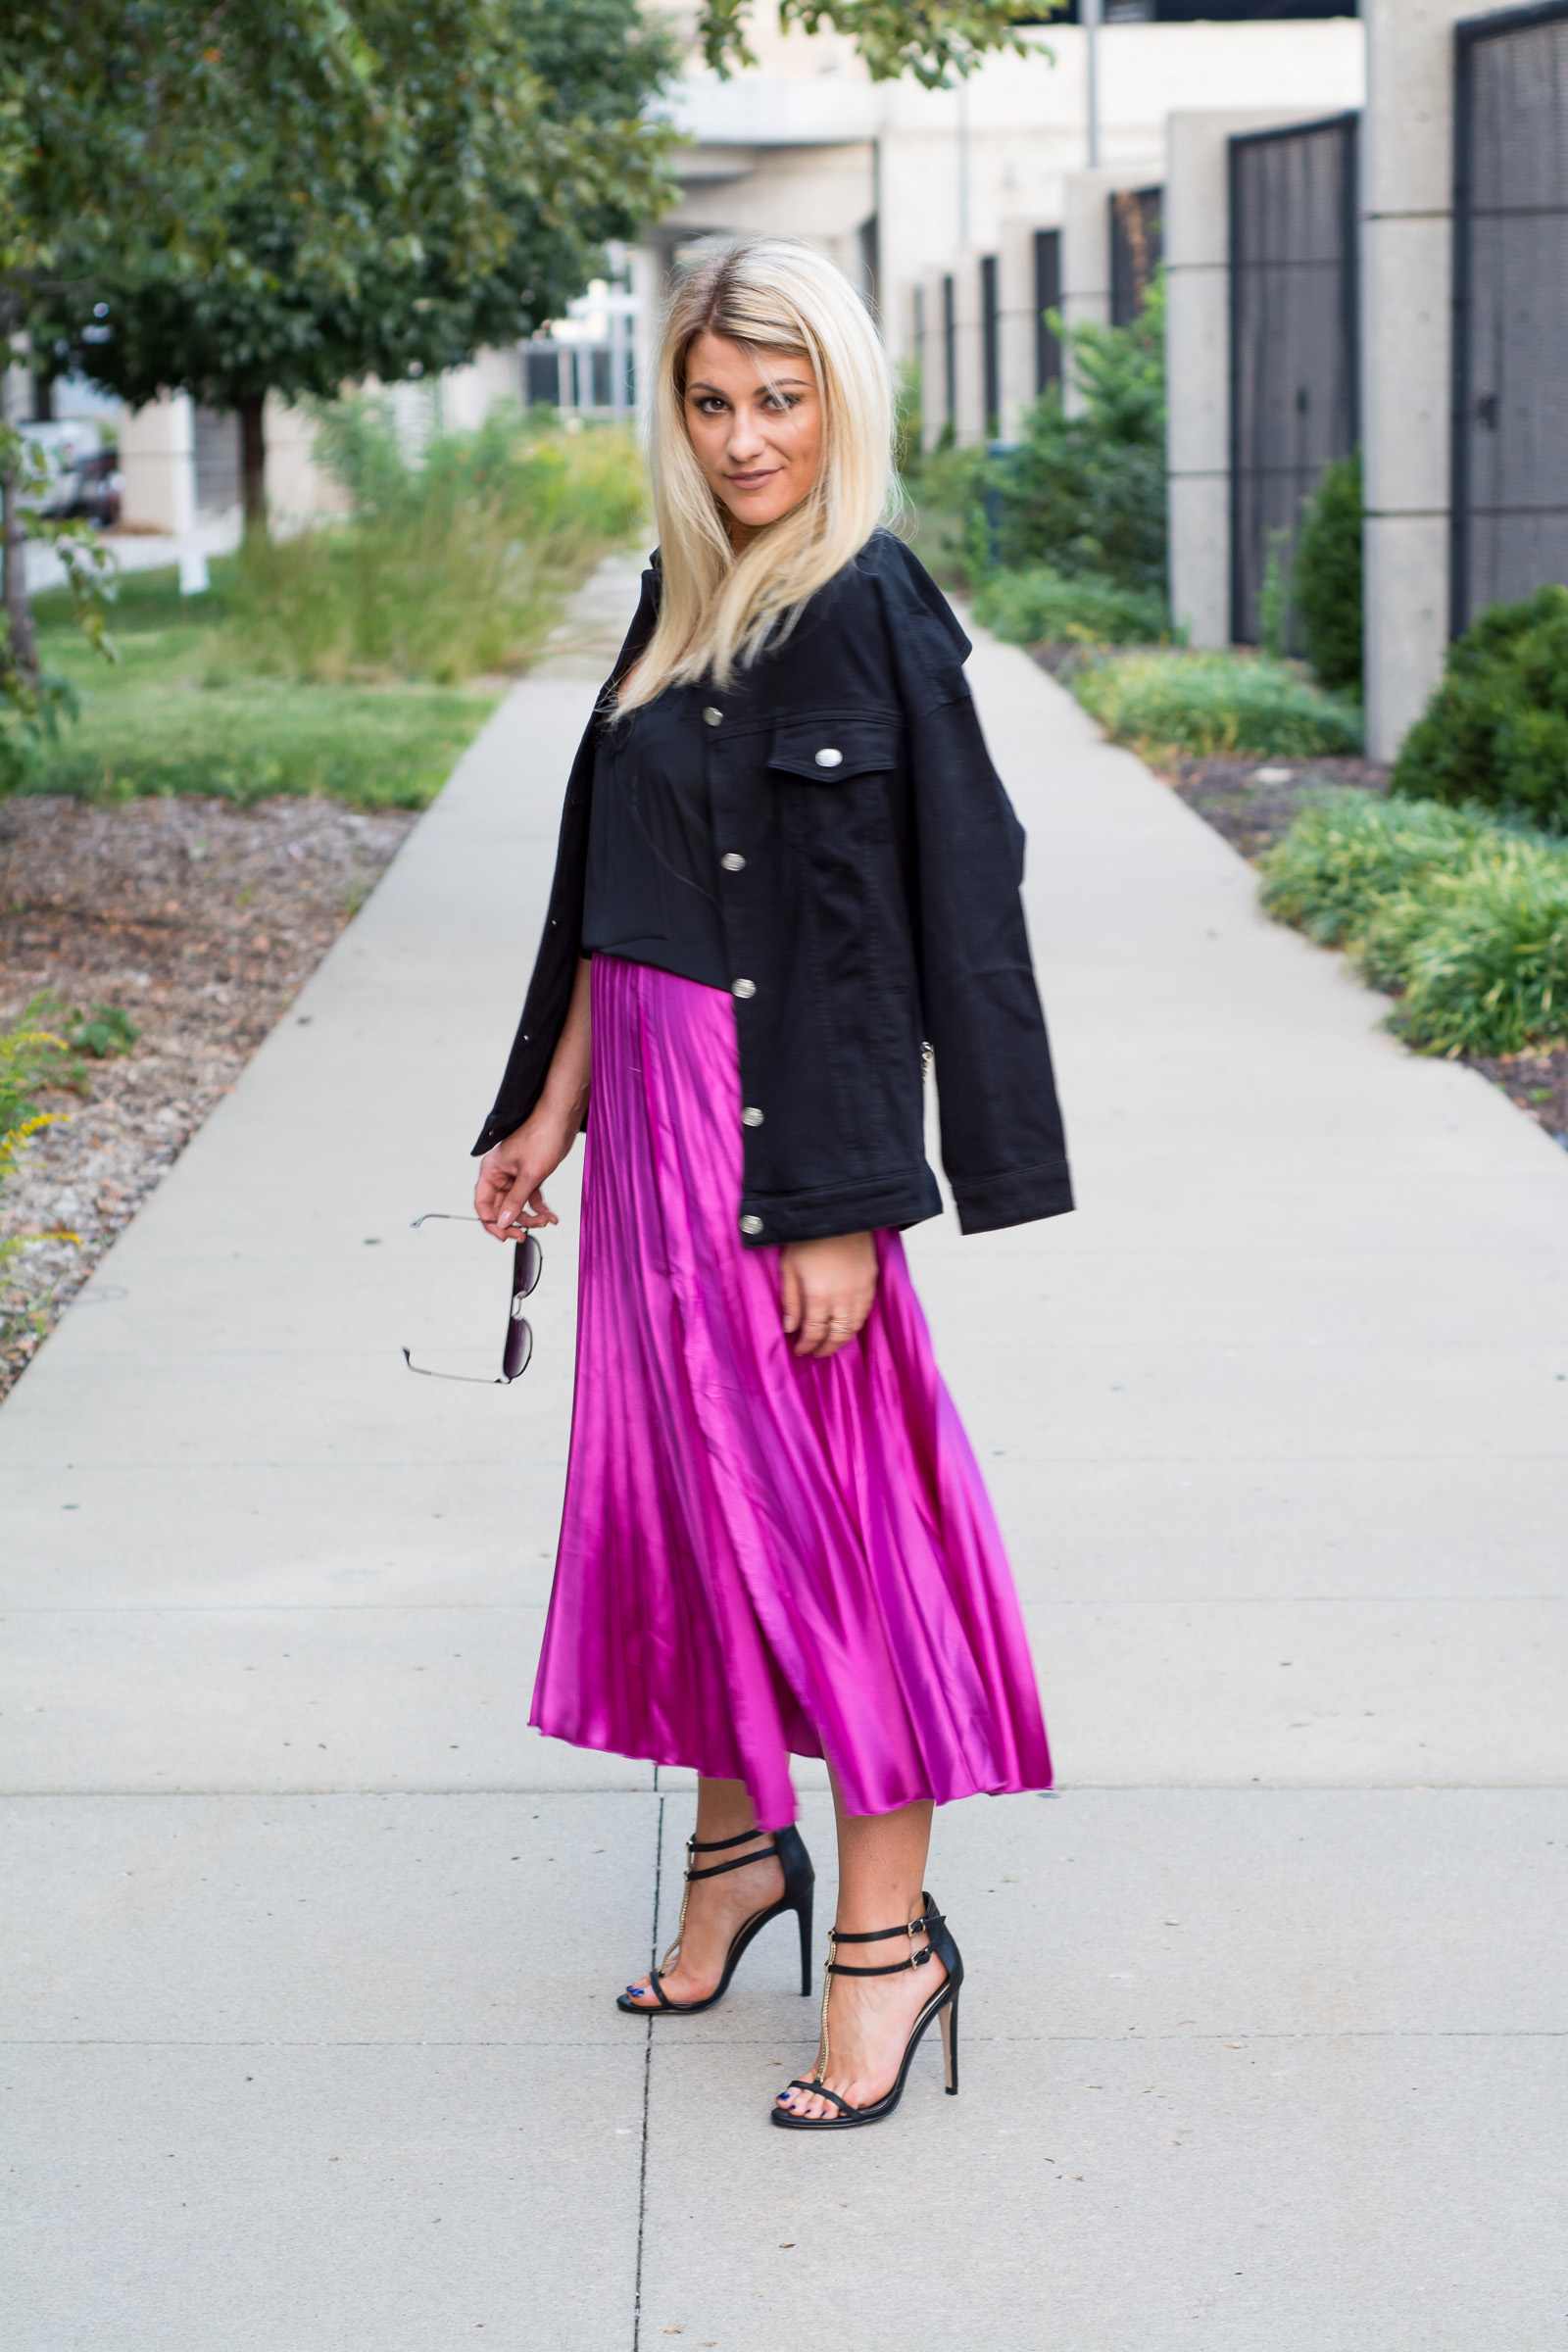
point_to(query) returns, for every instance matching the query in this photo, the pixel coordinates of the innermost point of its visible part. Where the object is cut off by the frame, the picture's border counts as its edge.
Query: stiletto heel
(943, 2004)
(799, 1880)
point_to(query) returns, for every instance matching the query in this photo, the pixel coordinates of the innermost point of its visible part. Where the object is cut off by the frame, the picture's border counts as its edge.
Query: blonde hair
(718, 609)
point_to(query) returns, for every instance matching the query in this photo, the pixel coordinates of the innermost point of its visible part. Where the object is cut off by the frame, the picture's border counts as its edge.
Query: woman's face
(756, 423)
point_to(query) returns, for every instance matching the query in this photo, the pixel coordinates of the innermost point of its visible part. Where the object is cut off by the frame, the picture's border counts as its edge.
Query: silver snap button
(712, 716)
(743, 988)
(751, 1116)
(750, 1224)
(831, 758)
(733, 862)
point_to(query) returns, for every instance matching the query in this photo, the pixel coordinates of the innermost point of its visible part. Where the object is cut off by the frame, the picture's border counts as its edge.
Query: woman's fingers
(830, 1319)
(790, 1287)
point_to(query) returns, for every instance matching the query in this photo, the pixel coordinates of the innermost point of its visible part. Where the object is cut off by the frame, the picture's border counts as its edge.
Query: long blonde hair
(718, 610)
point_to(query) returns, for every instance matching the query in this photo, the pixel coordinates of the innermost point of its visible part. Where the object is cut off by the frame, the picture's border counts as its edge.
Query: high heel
(943, 2004)
(800, 1879)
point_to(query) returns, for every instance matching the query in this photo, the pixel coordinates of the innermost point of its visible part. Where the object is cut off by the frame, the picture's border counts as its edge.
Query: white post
(1088, 18)
(1407, 370)
(158, 462)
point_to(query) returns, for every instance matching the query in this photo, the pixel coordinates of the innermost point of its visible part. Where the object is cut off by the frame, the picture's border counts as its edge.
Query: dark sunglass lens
(519, 1348)
(527, 1263)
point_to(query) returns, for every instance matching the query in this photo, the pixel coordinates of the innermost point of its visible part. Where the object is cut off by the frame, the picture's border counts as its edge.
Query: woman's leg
(717, 1907)
(882, 1859)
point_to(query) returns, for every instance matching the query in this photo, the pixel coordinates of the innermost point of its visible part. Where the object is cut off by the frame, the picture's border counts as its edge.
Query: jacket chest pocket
(834, 751)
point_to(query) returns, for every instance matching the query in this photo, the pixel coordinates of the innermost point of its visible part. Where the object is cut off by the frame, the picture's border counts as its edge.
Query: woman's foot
(869, 2021)
(716, 1909)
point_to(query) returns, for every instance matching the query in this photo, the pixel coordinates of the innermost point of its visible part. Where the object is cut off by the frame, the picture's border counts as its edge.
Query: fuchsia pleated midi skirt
(762, 1555)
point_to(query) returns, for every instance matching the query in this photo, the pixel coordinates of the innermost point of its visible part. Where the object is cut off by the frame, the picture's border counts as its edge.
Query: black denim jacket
(871, 864)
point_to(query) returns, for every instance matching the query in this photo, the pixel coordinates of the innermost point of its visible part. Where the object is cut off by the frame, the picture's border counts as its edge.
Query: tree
(937, 41)
(470, 179)
(1085, 494)
(124, 126)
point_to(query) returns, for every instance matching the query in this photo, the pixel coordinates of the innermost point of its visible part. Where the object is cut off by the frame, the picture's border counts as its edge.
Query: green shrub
(1085, 494)
(1326, 576)
(1211, 704)
(1495, 731)
(450, 567)
(1465, 917)
(34, 1057)
(1040, 606)
(1353, 848)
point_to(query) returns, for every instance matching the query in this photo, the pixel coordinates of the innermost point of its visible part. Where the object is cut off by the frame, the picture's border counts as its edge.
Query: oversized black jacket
(869, 875)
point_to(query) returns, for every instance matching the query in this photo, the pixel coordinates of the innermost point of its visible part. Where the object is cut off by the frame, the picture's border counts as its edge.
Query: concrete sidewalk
(311, 2036)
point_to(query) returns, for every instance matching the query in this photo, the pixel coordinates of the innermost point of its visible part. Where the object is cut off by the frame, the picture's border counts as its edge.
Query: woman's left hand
(828, 1290)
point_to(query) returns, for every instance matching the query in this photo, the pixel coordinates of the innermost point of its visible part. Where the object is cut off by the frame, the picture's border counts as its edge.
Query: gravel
(202, 921)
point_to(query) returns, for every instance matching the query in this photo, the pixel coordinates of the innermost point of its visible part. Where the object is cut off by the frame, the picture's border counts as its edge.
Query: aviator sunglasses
(528, 1264)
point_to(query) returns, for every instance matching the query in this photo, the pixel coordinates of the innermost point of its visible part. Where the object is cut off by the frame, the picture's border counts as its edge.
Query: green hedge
(1495, 731)
(1041, 606)
(1212, 703)
(1463, 916)
(1326, 576)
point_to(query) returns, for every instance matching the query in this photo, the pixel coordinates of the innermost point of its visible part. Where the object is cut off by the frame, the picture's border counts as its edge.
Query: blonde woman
(787, 872)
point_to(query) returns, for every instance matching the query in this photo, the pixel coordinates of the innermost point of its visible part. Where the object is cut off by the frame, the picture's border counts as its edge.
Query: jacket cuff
(1016, 1198)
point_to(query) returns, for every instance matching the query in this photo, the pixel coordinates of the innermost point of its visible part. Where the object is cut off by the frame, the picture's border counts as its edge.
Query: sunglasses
(528, 1264)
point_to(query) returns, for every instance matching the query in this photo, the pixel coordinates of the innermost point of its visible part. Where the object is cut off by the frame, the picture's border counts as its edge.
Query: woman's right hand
(507, 1194)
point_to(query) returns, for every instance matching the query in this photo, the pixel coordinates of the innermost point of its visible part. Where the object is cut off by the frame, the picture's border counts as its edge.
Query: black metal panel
(1509, 509)
(990, 345)
(1048, 297)
(1292, 323)
(950, 358)
(1135, 250)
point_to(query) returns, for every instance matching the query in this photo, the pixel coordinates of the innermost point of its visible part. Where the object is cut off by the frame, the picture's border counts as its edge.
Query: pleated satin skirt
(762, 1555)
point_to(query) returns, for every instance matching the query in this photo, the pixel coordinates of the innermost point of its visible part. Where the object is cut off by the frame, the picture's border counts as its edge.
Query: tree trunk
(253, 461)
(22, 650)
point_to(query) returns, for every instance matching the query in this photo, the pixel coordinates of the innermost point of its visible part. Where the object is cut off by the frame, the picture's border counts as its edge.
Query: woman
(788, 874)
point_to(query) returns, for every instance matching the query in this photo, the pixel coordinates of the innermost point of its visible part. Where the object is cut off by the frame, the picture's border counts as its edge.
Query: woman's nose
(746, 436)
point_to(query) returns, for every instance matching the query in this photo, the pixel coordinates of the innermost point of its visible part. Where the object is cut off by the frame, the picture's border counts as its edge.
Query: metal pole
(1088, 18)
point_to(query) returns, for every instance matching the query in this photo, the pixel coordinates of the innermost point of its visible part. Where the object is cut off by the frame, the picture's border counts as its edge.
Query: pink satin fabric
(762, 1555)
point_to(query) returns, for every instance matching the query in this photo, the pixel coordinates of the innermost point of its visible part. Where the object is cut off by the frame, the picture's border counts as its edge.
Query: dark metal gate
(1293, 289)
(1510, 283)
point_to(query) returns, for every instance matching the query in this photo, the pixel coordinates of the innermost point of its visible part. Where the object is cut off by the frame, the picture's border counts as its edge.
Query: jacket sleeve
(1002, 1145)
(544, 1012)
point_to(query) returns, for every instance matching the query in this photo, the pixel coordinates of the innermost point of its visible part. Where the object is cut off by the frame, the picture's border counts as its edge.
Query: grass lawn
(153, 724)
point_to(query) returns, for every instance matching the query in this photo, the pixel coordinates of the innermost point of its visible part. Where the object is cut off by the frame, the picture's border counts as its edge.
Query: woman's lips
(755, 482)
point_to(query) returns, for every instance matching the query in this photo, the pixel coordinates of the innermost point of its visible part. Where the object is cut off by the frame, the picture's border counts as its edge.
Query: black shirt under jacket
(871, 864)
(651, 892)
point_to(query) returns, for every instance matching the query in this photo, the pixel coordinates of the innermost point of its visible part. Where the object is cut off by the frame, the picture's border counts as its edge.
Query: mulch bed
(201, 921)
(1253, 803)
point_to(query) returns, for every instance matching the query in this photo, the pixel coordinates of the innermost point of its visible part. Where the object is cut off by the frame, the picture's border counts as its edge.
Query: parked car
(81, 470)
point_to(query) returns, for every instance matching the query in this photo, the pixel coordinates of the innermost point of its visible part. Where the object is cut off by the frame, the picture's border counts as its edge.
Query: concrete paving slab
(1377, 1693)
(1304, 2195)
(442, 1532)
(267, 2198)
(348, 1697)
(1207, 1529)
(326, 1918)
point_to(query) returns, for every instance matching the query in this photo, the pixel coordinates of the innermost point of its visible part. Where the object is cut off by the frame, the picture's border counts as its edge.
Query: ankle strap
(895, 1968)
(927, 1921)
(721, 1845)
(741, 1862)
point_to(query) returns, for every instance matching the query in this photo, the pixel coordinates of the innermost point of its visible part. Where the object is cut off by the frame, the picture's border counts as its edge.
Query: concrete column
(1018, 321)
(298, 490)
(1406, 325)
(1086, 247)
(969, 418)
(157, 461)
(932, 360)
(1198, 363)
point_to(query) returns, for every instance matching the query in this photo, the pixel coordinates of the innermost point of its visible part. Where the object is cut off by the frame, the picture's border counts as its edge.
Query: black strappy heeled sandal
(799, 1880)
(943, 2003)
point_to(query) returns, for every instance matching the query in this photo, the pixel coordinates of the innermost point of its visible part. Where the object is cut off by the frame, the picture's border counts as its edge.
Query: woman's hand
(510, 1173)
(828, 1290)
(506, 1195)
